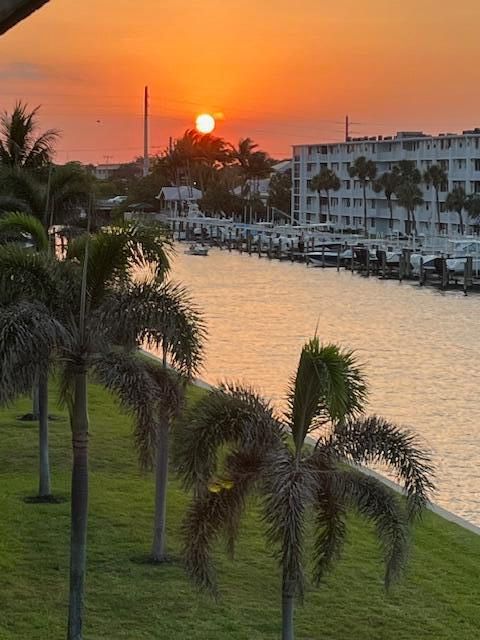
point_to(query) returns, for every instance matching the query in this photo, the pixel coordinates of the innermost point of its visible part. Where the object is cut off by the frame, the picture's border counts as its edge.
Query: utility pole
(146, 159)
(347, 129)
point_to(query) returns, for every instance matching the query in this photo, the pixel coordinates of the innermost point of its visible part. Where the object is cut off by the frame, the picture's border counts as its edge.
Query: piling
(444, 274)
(468, 274)
(421, 277)
(230, 241)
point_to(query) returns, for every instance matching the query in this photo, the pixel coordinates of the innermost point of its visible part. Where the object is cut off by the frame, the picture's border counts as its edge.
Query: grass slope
(438, 599)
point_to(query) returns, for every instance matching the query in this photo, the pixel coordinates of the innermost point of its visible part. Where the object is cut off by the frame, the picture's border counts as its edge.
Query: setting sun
(205, 123)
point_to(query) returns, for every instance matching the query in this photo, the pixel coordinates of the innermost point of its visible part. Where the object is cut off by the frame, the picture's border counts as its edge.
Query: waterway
(420, 348)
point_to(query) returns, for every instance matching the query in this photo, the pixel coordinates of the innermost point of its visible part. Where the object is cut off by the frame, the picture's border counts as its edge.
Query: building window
(477, 163)
(372, 204)
(346, 202)
(372, 222)
(335, 166)
(346, 184)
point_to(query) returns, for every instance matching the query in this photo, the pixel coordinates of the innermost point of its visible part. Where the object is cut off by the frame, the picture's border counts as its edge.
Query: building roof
(172, 194)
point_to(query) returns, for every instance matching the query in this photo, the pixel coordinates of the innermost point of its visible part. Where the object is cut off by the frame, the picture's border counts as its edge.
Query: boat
(197, 250)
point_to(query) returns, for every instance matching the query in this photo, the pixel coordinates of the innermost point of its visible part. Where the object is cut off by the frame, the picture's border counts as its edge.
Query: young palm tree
(366, 172)
(436, 176)
(162, 316)
(388, 182)
(409, 196)
(79, 328)
(327, 180)
(233, 444)
(457, 201)
(20, 146)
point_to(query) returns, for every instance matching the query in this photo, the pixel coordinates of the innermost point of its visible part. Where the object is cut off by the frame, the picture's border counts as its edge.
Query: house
(177, 200)
(106, 171)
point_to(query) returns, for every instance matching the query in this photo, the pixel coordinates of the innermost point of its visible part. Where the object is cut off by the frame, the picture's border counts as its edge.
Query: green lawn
(438, 599)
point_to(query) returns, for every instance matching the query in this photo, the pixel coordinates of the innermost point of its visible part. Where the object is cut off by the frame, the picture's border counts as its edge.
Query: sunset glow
(205, 123)
(387, 65)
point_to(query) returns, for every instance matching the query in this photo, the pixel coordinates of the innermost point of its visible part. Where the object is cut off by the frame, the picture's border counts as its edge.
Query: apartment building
(458, 154)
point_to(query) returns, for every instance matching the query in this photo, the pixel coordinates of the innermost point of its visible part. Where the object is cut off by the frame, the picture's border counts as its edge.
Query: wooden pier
(361, 262)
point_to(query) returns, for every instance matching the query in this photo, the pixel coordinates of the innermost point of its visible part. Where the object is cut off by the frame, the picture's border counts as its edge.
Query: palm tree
(254, 165)
(388, 182)
(76, 325)
(436, 176)
(409, 196)
(25, 229)
(457, 201)
(366, 172)
(162, 316)
(54, 201)
(327, 180)
(232, 444)
(20, 146)
(472, 206)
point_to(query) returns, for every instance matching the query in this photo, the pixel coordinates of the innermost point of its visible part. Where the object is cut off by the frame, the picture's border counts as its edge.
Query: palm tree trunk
(288, 605)
(319, 207)
(439, 223)
(365, 210)
(161, 483)
(44, 489)
(414, 221)
(79, 507)
(390, 206)
(35, 403)
(328, 205)
(460, 219)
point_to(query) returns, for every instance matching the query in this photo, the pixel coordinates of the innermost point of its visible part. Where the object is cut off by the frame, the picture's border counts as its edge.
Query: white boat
(428, 261)
(197, 250)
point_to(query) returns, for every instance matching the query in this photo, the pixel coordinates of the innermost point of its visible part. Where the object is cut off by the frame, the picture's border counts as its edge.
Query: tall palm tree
(457, 201)
(366, 172)
(409, 196)
(437, 177)
(162, 316)
(77, 327)
(327, 180)
(388, 182)
(20, 146)
(27, 230)
(233, 444)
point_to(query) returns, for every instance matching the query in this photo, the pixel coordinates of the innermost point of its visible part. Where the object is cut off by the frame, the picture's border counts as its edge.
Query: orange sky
(281, 72)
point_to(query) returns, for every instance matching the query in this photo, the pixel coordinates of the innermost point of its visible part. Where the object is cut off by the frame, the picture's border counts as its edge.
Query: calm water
(421, 348)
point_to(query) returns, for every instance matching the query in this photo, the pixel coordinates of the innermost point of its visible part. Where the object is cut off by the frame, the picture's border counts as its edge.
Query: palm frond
(374, 439)
(375, 501)
(23, 186)
(24, 227)
(330, 512)
(230, 416)
(148, 243)
(160, 315)
(287, 491)
(26, 275)
(328, 384)
(28, 336)
(141, 392)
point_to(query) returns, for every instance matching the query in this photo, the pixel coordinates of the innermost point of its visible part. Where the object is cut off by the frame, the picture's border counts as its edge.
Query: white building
(178, 200)
(106, 171)
(459, 154)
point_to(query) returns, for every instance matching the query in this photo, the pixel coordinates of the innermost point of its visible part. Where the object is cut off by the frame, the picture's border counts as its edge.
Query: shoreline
(434, 508)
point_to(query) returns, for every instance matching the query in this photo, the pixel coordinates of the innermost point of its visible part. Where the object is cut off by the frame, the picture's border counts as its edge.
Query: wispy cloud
(23, 71)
